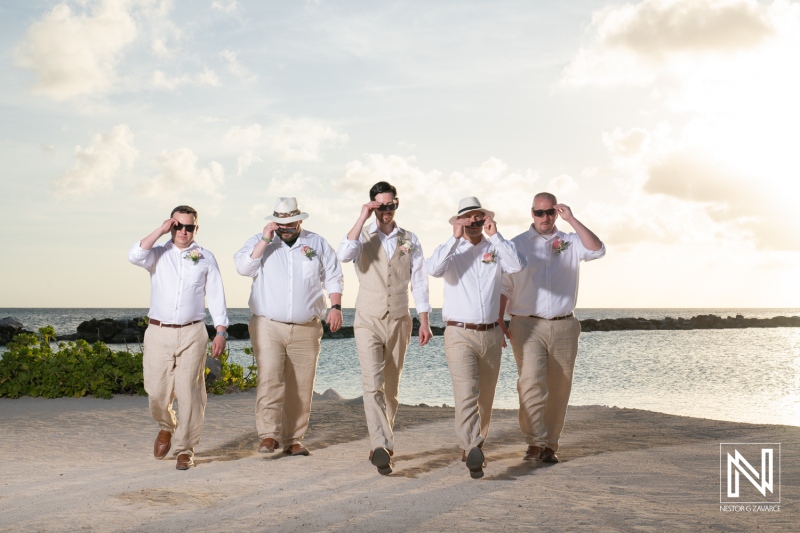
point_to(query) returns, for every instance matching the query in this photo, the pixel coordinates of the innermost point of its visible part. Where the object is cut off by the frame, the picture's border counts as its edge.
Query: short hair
(545, 196)
(185, 209)
(381, 187)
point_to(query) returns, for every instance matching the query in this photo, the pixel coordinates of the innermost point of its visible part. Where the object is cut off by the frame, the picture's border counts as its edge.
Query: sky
(670, 127)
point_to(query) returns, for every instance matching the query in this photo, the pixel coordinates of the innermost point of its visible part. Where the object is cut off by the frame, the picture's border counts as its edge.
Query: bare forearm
(356, 231)
(588, 239)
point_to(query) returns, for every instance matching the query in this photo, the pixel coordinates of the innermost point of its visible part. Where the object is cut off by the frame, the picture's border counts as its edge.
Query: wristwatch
(336, 306)
(223, 334)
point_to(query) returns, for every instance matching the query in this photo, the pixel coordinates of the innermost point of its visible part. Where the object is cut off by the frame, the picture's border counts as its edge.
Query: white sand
(86, 464)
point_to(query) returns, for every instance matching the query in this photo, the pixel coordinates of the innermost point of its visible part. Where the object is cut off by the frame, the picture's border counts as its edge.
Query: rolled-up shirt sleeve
(215, 295)
(436, 264)
(349, 250)
(584, 254)
(334, 281)
(246, 265)
(510, 261)
(419, 278)
(141, 257)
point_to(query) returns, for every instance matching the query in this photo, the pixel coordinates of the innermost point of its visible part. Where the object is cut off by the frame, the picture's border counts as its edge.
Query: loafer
(185, 462)
(475, 463)
(549, 456)
(296, 449)
(162, 444)
(268, 445)
(533, 453)
(380, 459)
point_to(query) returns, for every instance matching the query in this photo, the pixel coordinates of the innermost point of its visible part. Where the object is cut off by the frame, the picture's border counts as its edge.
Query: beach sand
(87, 464)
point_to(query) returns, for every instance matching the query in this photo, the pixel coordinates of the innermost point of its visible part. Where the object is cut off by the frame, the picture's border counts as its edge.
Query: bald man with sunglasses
(544, 331)
(182, 276)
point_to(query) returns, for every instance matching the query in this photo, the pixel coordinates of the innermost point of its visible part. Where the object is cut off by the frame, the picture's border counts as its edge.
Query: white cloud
(165, 81)
(227, 6)
(244, 140)
(303, 139)
(179, 174)
(97, 166)
(73, 53)
(235, 67)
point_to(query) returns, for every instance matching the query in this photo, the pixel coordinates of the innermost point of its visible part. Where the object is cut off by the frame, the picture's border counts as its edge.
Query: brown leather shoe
(549, 456)
(533, 453)
(268, 445)
(381, 459)
(185, 462)
(391, 453)
(296, 449)
(162, 444)
(475, 463)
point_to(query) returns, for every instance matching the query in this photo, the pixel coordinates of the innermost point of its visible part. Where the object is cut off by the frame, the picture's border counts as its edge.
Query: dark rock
(128, 335)
(9, 328)
(214, 367)
(239, 331)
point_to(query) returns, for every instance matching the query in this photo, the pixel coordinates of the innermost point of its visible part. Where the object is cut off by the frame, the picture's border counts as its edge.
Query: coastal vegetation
(30, 366)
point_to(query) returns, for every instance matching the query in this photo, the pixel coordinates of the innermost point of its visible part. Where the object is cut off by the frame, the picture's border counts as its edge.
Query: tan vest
(383, 282)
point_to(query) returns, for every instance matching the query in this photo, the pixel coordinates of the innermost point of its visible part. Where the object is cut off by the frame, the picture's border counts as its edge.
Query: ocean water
(741, 375)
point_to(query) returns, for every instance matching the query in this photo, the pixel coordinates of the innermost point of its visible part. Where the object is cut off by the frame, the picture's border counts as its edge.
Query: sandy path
(86, 464)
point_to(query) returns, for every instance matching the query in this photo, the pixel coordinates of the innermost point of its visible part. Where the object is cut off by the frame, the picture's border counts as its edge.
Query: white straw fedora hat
(286, 211)
(470, 203)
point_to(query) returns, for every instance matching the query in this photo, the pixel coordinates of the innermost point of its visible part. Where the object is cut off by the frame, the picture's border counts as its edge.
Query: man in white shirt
(544, 331)
(387, 259)
(182, 274)
(287, 303)
(472, 268)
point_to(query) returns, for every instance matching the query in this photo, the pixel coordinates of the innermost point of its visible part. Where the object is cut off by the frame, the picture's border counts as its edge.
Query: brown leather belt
(476, 327)
(155, 322)
(554, 318)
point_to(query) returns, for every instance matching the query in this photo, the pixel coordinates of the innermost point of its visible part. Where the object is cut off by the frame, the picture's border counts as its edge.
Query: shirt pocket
(310, 269)
(196, 275)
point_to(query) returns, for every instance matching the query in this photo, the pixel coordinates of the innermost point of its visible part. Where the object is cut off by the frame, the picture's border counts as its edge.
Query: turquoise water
(741, 375)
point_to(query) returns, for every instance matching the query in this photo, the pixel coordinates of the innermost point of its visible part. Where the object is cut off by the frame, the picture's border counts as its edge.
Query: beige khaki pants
(286, 355)
(174, 364)
(381, 345)
(474, 361)
(545, 351)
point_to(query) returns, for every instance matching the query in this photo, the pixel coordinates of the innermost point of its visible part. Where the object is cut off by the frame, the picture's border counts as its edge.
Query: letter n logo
(734, 465)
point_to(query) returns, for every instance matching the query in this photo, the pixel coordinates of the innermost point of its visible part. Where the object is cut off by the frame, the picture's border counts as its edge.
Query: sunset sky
(671, 127)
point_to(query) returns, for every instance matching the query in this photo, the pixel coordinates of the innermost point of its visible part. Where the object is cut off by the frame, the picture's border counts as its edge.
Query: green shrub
(30, 367)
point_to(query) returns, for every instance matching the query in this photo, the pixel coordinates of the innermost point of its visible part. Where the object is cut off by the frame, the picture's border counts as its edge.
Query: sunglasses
(189, 227)
(287, 230)
(478, 223)
(387, 207)
(542, 212)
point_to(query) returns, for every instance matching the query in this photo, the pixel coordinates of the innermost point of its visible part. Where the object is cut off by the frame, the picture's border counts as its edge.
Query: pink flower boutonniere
(308, 252)
(193, 256)
(489, 257)
(405, 246)
(559, 245)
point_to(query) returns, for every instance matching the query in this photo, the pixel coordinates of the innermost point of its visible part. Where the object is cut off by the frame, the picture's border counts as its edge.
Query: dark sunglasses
(287, 230)
(189, 227)
(542, 212)
(387, 207)
(478, 223)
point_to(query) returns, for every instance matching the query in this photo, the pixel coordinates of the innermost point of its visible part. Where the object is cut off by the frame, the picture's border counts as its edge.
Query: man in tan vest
(387, 259)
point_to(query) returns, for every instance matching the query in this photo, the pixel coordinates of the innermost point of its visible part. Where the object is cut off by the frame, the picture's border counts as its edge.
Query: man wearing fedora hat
(182, 275)
(472, 267)
(543, 330)
(290, 268)
(387, 260)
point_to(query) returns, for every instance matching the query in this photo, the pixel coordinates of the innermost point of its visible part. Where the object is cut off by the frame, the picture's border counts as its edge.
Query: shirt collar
(373, 228)
(533, 234)
(169, 245)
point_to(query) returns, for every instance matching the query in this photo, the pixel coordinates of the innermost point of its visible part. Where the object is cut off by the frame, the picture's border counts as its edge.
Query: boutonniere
(308, 252)
(405, 246)
(489, 257)
(559, 245)
(193, 256)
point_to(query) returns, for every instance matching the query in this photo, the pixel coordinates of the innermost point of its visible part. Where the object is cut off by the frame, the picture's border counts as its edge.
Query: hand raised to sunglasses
(269, 230)
(167, 226)
(564, 212)
(489, 226)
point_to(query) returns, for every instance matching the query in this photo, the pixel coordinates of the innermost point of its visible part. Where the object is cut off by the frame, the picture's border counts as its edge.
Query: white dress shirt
(351, 250)
(472, 287)
(178, 286)
(548, 285)
(288, 285)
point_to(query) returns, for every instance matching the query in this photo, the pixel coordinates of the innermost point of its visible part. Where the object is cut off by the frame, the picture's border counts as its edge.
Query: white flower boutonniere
(405, 246)
(308, 252)
(489, 257)
(194, 256)
(559, 245)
